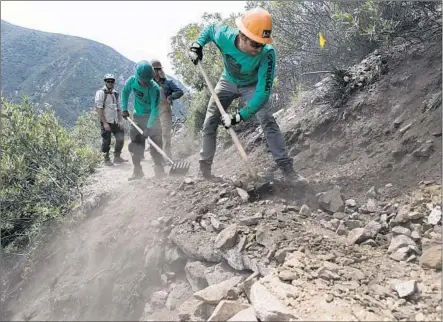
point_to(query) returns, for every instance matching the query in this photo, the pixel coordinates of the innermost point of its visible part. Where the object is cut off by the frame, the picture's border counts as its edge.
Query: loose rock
(305, 210)
(406, 289)
(351, 203)
(267, 307)
(280, 255)
(357, 236)
(179, 292)
(400, 254)
(245, 315)
(332, 200)
(215, 293)
(219, 273)
(195, 274)
(196, 246)
(415, 235)
(400, 241)
(243, 194)
(264, 237)
(217, 224)
(432, 257)
(373, 228)
(398, 230)
(226, 238)
(227, 309)
(435, 216)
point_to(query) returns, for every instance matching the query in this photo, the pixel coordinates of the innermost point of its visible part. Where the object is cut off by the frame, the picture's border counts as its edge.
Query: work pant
(119, 135)
(166, 124)
(227, 92)
(137, 145)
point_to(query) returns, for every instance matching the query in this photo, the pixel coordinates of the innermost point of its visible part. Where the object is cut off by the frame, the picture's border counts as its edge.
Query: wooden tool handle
(234, 136)
(151, 142)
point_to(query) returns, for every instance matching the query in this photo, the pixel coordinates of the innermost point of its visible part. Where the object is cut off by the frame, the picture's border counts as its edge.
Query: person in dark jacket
(169, 92)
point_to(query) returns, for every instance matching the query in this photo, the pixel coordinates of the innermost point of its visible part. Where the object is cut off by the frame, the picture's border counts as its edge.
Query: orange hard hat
(256, 24)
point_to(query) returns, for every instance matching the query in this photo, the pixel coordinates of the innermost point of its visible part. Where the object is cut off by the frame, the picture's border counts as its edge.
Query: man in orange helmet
(249, 67)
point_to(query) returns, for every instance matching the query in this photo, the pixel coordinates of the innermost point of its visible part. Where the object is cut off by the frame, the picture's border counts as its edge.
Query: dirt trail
(348, 253)
(94, 270)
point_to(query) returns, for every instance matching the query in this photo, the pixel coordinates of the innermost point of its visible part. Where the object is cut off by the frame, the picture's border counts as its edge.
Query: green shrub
(42, 170)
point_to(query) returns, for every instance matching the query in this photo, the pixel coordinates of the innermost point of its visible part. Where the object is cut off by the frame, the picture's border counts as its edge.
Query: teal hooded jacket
(146, 98)
(243, 69)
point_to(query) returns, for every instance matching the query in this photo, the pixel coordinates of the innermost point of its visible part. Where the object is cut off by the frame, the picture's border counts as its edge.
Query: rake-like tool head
(179, 168)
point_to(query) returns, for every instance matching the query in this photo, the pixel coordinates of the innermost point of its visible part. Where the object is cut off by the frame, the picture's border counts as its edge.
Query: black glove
(195, 53)
(230, 119)
(125, 114)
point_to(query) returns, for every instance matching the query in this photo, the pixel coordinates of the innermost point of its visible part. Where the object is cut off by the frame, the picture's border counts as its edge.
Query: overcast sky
(136, 29)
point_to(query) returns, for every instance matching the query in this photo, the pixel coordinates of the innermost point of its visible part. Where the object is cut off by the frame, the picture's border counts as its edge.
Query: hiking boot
(107, 160)
(159, 171)
(293, 178)
(137, 174)
(205, 170)
(118, 159)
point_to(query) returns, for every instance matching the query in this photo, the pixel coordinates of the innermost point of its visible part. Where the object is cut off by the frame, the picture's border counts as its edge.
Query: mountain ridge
(60, 72)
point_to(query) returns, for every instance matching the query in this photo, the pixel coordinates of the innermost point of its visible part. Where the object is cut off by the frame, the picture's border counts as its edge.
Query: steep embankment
(367, 247)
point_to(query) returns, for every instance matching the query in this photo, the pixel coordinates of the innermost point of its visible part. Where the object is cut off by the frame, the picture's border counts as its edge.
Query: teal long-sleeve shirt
(146, 99)
(243, 69)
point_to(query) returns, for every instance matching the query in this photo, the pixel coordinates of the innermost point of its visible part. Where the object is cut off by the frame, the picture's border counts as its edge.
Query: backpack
(115, 96)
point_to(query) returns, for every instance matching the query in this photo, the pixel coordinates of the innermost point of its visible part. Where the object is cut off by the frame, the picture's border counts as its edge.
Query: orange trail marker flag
(322, 39)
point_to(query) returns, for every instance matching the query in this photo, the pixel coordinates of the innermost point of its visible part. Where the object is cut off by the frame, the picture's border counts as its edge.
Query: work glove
(125, 114)
(169, 99)
(195, 53)
(229, 120)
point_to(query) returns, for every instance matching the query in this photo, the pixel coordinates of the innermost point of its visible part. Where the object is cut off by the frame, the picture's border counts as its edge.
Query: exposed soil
(138, 236)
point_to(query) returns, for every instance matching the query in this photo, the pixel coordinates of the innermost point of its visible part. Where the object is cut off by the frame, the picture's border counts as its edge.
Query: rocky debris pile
(268, 259)
(410, 230)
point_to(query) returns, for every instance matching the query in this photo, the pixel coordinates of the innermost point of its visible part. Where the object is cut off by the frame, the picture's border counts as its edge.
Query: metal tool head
(179, 168)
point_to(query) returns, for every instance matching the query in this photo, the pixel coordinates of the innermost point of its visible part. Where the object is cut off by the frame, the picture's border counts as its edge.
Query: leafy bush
(352, 29)
(42, 170)
(87, 130)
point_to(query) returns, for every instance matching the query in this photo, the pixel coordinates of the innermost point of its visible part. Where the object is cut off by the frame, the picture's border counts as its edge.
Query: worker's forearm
(101, 115)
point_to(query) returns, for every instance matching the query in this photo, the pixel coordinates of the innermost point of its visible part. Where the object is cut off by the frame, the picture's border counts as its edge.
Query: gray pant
(137, 145)
(227, 92)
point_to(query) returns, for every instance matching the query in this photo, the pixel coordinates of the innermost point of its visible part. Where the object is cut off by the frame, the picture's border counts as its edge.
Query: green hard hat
(144, 71)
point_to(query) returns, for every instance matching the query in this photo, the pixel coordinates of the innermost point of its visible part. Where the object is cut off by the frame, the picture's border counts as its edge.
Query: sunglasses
(157, 69)
(255, 44)
(110, 81)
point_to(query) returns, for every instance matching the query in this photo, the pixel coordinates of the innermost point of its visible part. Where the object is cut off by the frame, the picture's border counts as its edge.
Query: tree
(212, 63)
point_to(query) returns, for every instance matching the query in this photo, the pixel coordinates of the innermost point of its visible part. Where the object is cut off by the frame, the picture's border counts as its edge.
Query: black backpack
(114, 97)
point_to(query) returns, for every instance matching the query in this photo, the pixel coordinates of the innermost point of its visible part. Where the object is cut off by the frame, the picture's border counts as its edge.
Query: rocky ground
(363, 243)
(275, 260)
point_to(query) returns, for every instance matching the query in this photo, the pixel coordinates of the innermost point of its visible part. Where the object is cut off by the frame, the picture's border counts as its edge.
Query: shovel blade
(180, 168)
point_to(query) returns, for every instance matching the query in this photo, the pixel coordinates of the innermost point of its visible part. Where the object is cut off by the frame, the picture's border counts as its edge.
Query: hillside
(363, 245)
(58, 70)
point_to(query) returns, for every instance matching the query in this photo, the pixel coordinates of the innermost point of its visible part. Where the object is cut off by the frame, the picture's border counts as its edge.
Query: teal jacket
(243, 69)
(146, 99)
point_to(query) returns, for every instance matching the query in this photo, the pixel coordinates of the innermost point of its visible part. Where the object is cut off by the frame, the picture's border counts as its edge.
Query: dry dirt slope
(154, 243)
